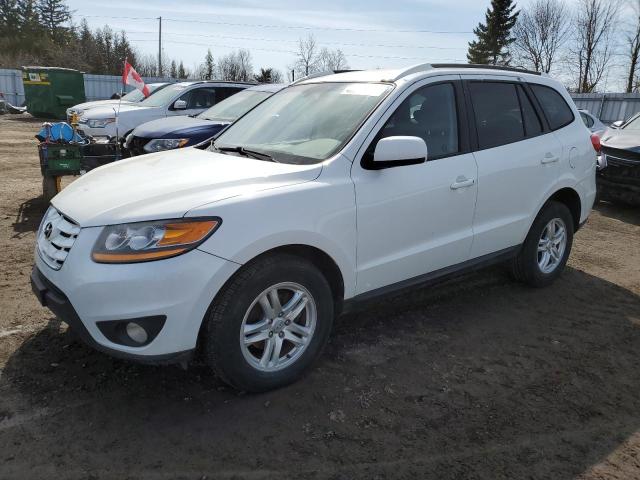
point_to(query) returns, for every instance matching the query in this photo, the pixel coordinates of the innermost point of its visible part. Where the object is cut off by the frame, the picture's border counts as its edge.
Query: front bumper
(108, 131)
(84, 294)
(619, 180)
(51, 297)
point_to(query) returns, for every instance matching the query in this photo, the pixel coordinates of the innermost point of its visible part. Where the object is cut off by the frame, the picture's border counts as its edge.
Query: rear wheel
(547, 246)
(269, 324)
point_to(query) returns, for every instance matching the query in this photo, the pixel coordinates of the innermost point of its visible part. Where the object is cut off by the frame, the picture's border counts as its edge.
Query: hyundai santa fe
(331, 192)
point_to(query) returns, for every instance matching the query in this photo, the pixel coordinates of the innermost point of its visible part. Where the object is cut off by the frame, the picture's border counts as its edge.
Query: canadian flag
(131, 77)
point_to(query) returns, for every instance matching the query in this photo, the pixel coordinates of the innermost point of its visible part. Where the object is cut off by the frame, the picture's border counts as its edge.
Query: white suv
(333, 191)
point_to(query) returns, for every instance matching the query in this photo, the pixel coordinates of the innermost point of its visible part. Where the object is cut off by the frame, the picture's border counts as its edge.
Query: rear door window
(532, 124)
(226, 92)
(202, 98)
(553, 105)
(496, 110)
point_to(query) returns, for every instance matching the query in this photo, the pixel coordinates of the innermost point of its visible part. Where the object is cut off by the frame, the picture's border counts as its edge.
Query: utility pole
(160, 46)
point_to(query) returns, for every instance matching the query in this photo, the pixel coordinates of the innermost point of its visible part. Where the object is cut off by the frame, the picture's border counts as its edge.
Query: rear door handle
(550, 158)
(462, 182)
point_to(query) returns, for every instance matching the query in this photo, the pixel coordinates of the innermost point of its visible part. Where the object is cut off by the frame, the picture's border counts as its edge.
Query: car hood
(629, 140)
(98, 103)
(175, 126)
(107, 111)
(168, 184)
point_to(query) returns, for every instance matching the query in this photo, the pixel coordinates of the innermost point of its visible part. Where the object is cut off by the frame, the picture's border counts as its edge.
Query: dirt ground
(477, 378)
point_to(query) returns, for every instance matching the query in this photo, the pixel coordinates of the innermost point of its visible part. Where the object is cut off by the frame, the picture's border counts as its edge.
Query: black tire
(49, 188)
(221, 333)
(525, 266)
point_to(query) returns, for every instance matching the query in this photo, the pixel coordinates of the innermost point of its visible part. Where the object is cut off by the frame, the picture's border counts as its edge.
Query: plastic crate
(59, 159)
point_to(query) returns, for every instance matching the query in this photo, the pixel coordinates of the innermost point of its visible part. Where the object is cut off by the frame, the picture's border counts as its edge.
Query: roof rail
(324, 73)
(484, 67)
(412, 69)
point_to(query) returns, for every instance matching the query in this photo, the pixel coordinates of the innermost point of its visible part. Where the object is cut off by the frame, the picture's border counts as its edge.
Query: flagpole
(118, 153)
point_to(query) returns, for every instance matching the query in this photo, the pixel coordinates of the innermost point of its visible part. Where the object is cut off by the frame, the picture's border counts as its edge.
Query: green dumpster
(49, 91)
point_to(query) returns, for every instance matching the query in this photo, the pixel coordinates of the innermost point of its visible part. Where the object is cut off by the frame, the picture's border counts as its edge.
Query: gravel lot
(476, 378)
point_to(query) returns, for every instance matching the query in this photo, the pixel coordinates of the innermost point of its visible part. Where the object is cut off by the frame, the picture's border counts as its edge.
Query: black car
(619, 174)
(178, 132)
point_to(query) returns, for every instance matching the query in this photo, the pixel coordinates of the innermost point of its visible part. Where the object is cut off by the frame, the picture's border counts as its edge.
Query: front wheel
(269, 324)
(546, 249)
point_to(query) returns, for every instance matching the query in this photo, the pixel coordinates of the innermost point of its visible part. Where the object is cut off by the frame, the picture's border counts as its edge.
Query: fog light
(137, 333)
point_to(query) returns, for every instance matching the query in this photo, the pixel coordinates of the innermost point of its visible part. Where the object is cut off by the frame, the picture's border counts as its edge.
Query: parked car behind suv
(334, 191)
(592, 122)
(178, 132)
(183, 98)
(133, 96)
(619, 176)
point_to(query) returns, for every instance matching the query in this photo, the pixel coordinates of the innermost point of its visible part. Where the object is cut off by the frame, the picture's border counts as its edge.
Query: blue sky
(368, 32)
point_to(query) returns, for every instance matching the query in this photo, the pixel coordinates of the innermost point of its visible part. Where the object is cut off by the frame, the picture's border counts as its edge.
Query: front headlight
(100, 123)
(159, 144)
(145, 241)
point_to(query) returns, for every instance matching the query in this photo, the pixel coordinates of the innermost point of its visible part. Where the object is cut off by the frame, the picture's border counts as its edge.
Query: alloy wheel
(552, 245)
(278, 326)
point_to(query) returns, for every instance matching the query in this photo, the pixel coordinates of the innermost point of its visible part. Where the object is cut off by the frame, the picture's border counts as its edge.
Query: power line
(299, 27)
(296, 41)
(220, 45)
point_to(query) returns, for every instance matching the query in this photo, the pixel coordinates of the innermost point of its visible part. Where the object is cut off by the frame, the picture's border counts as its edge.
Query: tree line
(581, 44)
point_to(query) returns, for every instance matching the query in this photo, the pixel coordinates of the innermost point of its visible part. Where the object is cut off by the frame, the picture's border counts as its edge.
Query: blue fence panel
(11, 86)
(608, 107)
(100, 87)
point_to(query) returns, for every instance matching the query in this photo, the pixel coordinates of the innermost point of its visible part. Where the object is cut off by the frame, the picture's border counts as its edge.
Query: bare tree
(632, 43)
(146, 65)
(236, 66)
(540, 32)
(593, 41)
(332, 60)
(306, 56)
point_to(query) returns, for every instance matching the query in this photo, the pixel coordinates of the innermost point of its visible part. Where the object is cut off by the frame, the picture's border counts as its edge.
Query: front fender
(319, 214)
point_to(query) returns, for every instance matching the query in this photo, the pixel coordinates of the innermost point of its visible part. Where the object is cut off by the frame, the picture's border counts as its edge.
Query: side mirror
(399, 151)
(180, 105)
(617, 124)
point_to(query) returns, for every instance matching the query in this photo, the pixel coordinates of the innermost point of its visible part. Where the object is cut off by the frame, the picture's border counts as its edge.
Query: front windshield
(163, 97)
(235, 106)
(633, 124)
(136, 95)
(133, 96)
(305, 123)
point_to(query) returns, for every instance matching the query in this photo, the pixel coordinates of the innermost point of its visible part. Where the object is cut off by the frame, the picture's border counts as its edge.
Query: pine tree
(27, 19)
(53, 15)
(494, 36)
(264, 76)
(209, 66)
(173, 73)
(181, 71)
(8, 13)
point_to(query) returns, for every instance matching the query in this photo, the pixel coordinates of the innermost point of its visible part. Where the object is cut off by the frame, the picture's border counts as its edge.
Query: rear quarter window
(554, 106)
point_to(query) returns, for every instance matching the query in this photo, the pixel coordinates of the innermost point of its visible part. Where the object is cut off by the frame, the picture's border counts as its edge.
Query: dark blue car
(177, 132)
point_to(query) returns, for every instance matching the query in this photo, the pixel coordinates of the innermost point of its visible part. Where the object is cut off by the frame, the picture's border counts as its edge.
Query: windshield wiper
(246, 152)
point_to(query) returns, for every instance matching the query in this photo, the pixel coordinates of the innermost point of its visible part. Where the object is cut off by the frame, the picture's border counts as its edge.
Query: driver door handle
(462, 182)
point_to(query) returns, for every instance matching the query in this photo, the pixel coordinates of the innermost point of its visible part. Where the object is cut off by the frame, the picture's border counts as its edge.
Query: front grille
(620, 156)
(56, 236)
